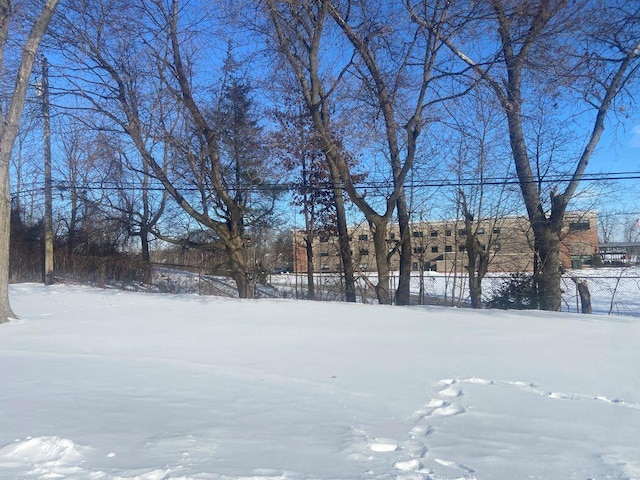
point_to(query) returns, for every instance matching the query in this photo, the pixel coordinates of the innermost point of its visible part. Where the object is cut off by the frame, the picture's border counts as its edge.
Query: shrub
(516, 292)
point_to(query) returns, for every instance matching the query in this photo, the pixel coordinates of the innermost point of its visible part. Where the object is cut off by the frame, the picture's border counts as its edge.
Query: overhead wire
(64, 185)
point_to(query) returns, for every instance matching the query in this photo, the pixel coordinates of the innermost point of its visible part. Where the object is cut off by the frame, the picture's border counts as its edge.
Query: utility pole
(47, 276)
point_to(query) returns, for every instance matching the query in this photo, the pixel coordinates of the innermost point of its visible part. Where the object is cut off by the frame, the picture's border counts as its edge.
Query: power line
(64, 185)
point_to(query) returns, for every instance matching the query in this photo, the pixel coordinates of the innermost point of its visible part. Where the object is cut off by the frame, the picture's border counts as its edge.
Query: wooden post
(48, 277)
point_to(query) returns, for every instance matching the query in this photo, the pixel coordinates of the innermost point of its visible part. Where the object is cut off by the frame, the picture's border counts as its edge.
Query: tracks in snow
(449, 402)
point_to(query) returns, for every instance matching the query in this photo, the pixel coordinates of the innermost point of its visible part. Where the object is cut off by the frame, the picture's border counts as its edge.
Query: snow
(111, 385)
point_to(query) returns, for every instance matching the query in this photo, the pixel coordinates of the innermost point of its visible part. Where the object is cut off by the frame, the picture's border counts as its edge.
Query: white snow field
(110, 385)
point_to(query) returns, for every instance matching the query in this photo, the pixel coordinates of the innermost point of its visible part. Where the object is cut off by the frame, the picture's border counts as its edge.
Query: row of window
(364, 237)
(447, 233)
(419, 250)
(449, 248)
(362, 251)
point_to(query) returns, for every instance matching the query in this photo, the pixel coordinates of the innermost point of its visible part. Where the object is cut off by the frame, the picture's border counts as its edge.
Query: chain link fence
(614, 291)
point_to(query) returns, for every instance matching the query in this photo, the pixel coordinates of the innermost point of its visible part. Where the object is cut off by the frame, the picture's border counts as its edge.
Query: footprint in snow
(536, 389)
(451, 391)
(448, 410)
(455, 465)
(380, 444)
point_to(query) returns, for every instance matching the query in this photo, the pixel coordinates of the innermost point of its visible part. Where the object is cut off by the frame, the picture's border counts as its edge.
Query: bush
(517, 292)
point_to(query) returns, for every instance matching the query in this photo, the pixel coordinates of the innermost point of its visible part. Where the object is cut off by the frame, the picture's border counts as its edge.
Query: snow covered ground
(111, 385)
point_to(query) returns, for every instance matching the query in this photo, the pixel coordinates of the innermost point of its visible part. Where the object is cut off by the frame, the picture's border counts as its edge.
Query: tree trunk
(73, 220)
(403, 292)
(238, 262)
(309, 218)
(583, 291)
(311, 290)
(475, 283)
(547, 275)
(475, 290)
(585, 296)
(379, 231)
(146, 257)
(5, 229)
(345, 246)
(9, 130)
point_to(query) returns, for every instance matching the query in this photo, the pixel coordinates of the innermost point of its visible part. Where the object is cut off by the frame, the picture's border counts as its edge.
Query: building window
(462, 248)
(414, 265)
(324, 254)
(462, 232)
(364, 267)
(448, 248)
(324, 267)
(447, 233)
(324, 239)
(496, 231)
(392, 236)
(434, 233)
(418, 249)
(483, 247)
(496, 247)
(351, 238)
(364, 251)
(363, 237)
(434, 249)
(581, 225)
(481, 231)
(417, 234)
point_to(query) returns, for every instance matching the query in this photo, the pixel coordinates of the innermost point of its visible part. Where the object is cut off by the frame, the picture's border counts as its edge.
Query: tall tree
(131, 62)
(293, 35)
(562, 51)
(483, 194)
(298, 147)
(9, 126)
(392, 65)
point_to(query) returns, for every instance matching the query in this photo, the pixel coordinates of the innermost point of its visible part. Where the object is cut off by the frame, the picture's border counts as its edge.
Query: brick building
(440, 245)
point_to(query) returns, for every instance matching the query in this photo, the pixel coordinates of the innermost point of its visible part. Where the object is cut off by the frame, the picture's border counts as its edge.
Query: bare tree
(130, 194)
(132, 64)
(483, 197)
(297, 146)
(9, 128)
(607, 226)
(392, 67)
(562, 51)
(305, 71)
